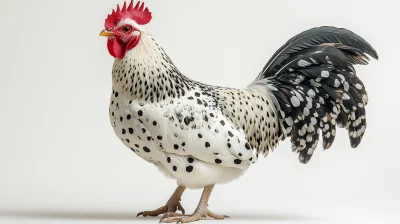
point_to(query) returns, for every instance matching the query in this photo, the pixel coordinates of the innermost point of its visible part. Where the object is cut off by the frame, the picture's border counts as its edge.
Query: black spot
(199, 102)
(131, 130)
(247, 146)
(197, 94)
(187, 120)
(143, 130)
(121, 118)
(240, 154)
(176, 146)
(237, 161)
(174, 168)
(218, 161)
(149, 138)
(127, 140)
(211, 115)
(190, 98)
(116, 94)
(183, 143)
(200, 136)
(159, 137)
(168, 159)
(123, 131)
(146, 149)
(140, 113)
(230, 133)
(154, 123)
(229, 145)
(136, 145)
(251, 159)
(128, 116)
(222, 122)
(207, 144)
(190, 160)
(189, 169)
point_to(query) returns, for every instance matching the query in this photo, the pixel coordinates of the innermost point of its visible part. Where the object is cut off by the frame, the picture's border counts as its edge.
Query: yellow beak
(106, 33)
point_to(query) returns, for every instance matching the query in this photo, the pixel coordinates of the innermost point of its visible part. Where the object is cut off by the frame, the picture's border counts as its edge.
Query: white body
(205, 171)
(186, 133)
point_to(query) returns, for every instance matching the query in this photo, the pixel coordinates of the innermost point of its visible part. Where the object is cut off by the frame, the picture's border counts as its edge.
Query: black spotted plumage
(315, 87)
(307, 89)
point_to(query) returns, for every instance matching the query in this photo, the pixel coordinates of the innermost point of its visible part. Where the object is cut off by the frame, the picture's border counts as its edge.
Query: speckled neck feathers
(146, 73)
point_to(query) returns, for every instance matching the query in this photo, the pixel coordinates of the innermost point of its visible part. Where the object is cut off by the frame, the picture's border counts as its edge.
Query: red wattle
(117, 48)
(110, 43)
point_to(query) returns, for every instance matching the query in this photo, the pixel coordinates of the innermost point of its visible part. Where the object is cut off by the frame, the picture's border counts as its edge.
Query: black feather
(316, 36)
(317, 55)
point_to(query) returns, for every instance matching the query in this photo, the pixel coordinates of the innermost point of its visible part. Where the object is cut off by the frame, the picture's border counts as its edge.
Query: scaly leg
(200, 212)
(171, 207)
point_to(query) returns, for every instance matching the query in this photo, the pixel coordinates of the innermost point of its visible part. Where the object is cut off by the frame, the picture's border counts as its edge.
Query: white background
(60, 161)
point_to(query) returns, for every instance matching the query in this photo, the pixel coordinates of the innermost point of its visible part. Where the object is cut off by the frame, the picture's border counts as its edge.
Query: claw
(144, 214)
(141, 213)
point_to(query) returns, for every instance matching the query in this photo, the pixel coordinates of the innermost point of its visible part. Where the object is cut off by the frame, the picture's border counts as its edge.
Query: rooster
(202, 135)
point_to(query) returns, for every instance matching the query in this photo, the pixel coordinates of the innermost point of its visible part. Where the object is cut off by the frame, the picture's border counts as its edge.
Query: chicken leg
(201, 211)
(173, 204)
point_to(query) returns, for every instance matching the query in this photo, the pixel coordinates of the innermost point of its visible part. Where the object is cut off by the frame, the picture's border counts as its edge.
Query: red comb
(139, 14)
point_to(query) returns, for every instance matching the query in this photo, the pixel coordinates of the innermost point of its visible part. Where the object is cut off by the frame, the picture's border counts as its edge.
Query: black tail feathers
(316, 88)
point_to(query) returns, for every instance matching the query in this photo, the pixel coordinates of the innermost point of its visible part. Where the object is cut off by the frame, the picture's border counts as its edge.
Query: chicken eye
(126, 29)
